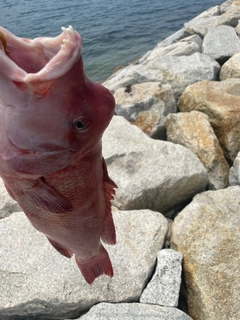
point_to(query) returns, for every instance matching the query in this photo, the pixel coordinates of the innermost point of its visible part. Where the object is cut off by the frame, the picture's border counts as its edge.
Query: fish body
(51, 122)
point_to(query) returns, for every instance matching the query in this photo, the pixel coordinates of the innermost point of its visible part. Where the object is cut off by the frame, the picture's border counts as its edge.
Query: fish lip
(60, 53)
(42, 150)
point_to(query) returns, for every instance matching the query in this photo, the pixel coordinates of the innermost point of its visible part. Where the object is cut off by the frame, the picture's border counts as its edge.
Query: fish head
(47, 102)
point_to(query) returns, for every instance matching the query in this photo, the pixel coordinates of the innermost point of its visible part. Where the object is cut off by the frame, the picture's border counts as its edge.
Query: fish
(52, 118)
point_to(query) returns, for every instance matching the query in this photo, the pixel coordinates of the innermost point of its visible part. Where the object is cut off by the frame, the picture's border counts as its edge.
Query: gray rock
(129, 76)
(177, 71)
(221, 43)
(185, 47)
(206, 232)
(195, 39)
(180, 34)
(152, 174)
(37, 282)
(231, 68)
(146, 105)
(182, 71)
(213, 18)
(228, 4)
(7, 204)
(133, 311)
(164, 287)
(172, 39)
(193, 130)
(234, 177)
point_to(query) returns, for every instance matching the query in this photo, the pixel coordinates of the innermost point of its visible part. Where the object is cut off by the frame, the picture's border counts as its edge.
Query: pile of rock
(173, 150)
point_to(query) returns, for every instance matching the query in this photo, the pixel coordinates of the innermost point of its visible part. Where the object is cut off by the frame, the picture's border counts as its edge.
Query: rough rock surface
(212, 18)
(7, 204)
(173, 38)
(148, 172)
(126, 311)
(207, 232)
(168, 69)
(221, 43)
(221, 102)
(193, 131)
(231, 68)
(164, 287)
(234, 177)
(146, 105)
(186, 46)
(39, 282)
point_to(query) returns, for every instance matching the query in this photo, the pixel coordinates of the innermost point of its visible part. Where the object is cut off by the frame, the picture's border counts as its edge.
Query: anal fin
(64, 251)
(9, 191)
(95, 266)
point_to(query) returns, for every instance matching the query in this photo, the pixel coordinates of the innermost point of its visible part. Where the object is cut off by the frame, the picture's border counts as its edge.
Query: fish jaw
(38, 60)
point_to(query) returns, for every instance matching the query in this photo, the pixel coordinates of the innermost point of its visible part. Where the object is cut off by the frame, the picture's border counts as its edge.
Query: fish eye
(79, 124)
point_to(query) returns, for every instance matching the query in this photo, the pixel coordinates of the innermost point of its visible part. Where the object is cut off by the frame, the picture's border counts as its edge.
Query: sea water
(114, 32)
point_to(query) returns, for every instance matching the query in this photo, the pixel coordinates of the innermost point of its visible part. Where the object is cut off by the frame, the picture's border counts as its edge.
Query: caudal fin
(95, 266)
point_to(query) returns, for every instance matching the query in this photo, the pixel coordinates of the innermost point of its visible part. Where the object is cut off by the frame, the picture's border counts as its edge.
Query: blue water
(114, 32)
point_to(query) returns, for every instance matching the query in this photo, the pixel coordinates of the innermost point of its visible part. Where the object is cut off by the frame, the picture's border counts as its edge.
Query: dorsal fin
(108, 234)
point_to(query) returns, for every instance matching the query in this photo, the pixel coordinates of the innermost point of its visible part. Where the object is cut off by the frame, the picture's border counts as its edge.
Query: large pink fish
(51, 122)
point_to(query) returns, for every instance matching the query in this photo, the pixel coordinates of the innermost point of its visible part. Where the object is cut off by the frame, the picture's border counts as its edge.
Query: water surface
(114, 32)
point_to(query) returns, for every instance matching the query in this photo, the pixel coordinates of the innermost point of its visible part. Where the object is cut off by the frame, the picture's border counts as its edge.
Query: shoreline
(173, 38)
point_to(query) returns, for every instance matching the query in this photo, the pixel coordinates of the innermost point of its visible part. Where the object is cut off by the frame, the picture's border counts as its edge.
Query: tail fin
(95, 266)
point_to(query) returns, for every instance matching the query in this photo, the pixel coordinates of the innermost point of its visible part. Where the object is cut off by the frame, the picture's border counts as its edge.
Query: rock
(231, 68)
(212, 18)
(37, 282)
(133, 311)
(7, 204)
(148, 172)
(221, 43)
(235, 3)
(185, 47)
(176, 37)
(234, 177)
(173, 38)
(164, 287)
(146, 105)
(221, 102)
(228, 4)
(174, 71)
(168, 69)
(206, 232)
(193, 130)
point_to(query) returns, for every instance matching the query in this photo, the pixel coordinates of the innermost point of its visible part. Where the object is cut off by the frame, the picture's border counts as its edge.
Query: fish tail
(95, 266)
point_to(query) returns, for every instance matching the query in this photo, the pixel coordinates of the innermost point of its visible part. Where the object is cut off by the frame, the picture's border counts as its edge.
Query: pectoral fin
(46, 197)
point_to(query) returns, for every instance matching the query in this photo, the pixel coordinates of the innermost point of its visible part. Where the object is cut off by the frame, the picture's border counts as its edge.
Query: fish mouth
(40, 59)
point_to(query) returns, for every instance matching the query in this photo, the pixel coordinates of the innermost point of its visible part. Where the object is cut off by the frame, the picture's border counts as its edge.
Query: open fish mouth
(39, 59)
